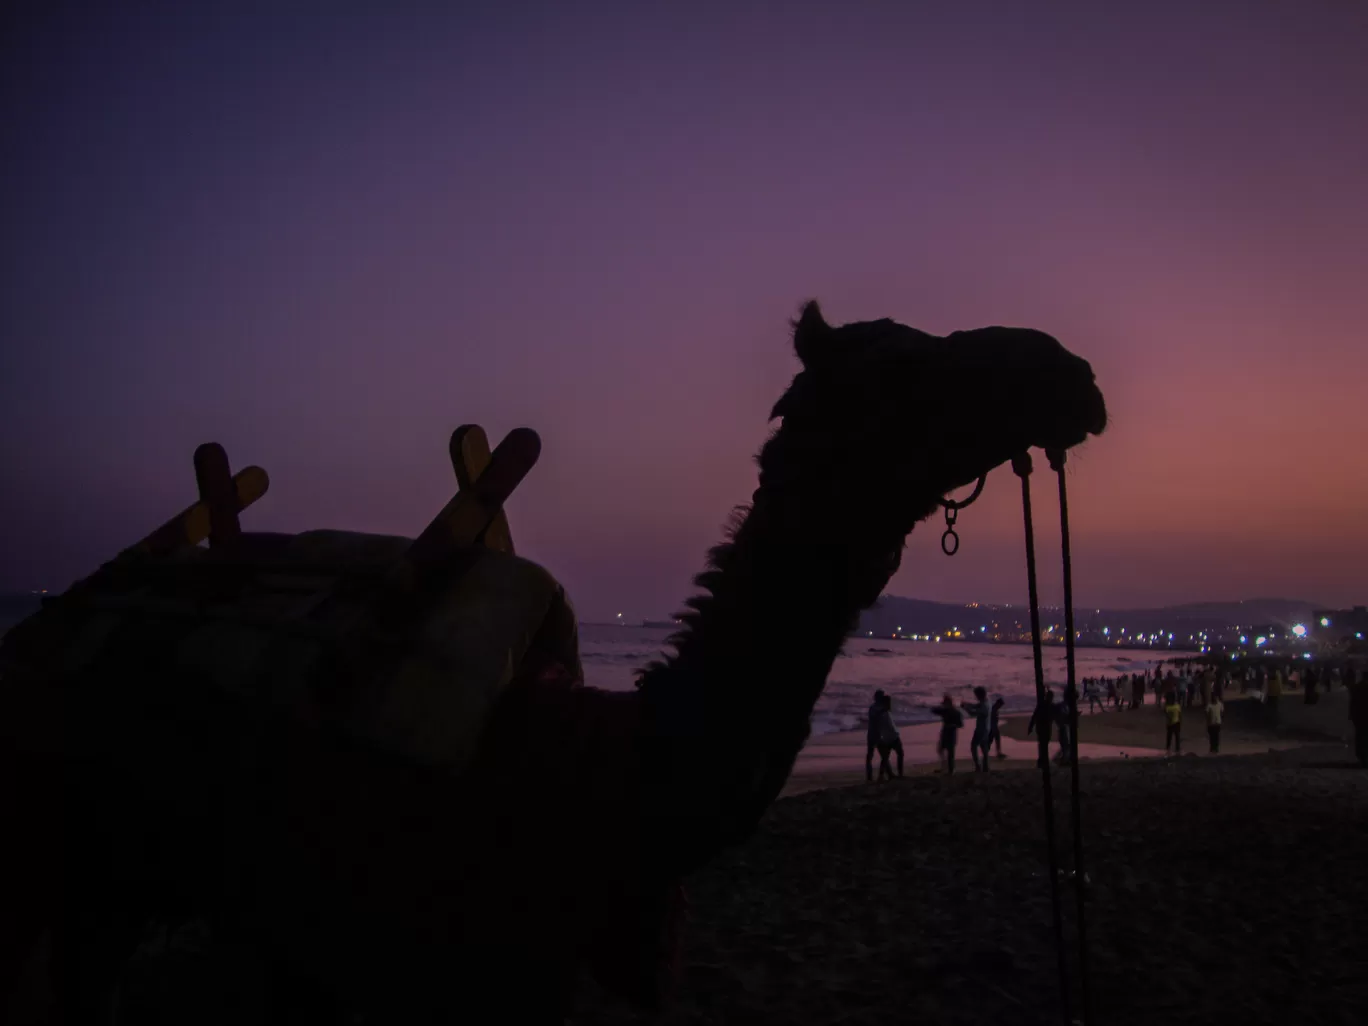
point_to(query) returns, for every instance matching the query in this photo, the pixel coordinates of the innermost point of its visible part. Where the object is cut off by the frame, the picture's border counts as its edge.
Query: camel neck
(730, 710)
(786, 592)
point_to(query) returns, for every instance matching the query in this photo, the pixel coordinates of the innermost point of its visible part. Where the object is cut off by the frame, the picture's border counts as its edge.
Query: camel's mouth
(1075, 418)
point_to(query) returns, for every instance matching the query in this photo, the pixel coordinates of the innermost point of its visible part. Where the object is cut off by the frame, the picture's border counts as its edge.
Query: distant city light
(1243, 640)
(1106, 630)
(1325, 621)
(1299, 630)
(1260, 640)
(1306, 655)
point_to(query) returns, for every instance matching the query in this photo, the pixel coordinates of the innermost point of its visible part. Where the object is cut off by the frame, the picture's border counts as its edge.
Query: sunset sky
(325, 242)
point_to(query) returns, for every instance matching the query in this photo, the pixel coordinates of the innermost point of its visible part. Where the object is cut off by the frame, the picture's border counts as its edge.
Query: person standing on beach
(1064, 714)
(1173, 713)
(995, 734)
(1271, 696)
(889, 740)
(874, 733)
(982, 714)
(1044, 718)
(1309, 682)
(951, 721)
(1214, 710)
(1093, 693)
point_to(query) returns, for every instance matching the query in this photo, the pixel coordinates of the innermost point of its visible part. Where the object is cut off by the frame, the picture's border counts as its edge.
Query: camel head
(884, 419)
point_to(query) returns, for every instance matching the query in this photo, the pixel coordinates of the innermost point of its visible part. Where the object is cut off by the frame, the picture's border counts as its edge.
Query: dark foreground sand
(1225, 890)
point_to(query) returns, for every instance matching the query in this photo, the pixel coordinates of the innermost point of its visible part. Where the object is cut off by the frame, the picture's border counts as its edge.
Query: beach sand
(1229, 889)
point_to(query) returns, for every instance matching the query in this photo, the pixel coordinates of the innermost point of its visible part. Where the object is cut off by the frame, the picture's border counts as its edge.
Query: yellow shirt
(1174, 712)
(1214, 714)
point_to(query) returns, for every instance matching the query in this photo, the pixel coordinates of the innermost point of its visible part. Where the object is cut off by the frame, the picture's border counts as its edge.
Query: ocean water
(915, 674)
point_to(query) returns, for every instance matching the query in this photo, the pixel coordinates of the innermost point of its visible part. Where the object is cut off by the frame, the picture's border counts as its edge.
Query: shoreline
(837, 760)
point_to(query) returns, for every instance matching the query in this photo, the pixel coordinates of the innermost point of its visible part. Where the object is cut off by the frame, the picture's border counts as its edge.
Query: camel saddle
(399, 643)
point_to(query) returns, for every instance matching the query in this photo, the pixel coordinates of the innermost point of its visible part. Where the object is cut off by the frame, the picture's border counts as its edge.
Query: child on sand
(1173, 713)
(1213, 714)
(951, 721)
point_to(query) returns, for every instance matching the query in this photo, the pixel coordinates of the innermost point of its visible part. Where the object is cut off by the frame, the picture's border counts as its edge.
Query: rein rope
(1022, 466)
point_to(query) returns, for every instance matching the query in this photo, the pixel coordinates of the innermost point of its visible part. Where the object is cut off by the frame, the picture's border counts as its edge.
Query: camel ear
(813, 337)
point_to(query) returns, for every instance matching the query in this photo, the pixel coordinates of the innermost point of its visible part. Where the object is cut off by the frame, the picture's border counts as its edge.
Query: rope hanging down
(1057, 458)
(1021, 466)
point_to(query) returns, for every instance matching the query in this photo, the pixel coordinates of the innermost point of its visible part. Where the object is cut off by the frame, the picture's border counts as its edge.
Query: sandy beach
(1226, 889)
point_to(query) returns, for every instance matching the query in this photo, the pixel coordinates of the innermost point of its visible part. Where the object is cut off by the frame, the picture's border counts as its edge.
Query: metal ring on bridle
(950, 540)
(978, 490)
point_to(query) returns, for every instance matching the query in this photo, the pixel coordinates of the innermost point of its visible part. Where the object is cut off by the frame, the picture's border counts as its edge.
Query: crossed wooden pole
(484, 481)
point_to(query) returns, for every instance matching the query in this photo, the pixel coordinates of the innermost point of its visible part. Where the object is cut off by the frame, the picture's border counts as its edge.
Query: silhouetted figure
(994, 733)
(1094, 694)
(1173, 715)
(951, 721)
(1309, 682)
(1042, 725)
(1273, 694)
(1214, 711)
(889, 741)
(981, 711)
(1137, 691)
(873, 733)
(1064, 718)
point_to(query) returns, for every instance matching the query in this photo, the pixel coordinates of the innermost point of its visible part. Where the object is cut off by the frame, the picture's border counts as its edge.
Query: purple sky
(327, 242)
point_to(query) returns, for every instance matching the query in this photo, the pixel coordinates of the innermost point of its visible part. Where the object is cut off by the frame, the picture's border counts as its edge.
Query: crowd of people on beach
(1188, 687)
(1195, 688)
(884, 739)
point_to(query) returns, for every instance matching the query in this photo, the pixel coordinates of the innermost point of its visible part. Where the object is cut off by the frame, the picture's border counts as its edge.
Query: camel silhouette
(364, 883)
